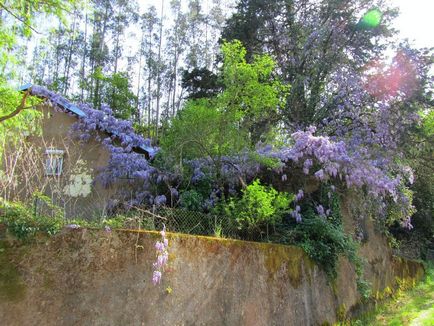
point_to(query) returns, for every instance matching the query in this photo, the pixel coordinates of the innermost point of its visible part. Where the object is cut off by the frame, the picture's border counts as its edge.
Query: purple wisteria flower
(299, 196)
(161, 248)
(320, 211)
(156, 277)
(296, 214)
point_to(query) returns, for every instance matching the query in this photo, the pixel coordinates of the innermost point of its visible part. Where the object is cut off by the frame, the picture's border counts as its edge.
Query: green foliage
(23, 223)
(412, 307)
(191, 200)
(116, 222)
(428, 124)
(324, 242)
(20, 22)
(21, 125)
(419, 153)
(200, 130)
(25, 11)
(234, 119)
(17, 19)
(116, 93)
(200, 83)
(259, 206)
(324, 239)
(252, 94)
(231, 122)
(397, 213)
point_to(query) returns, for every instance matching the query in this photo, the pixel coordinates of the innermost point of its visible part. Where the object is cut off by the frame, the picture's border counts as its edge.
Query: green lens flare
(372, 18)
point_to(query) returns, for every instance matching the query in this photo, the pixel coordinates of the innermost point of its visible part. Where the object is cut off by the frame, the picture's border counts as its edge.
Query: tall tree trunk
(159, 71)
(138, 113)
(149, 83)
(117, 45)
(57, 54)
(69, 58)
(175, 70)
(83, 60)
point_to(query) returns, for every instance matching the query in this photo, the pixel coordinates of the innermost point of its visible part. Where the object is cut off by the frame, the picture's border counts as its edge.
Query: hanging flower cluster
(127, 161)
(332, 162)
(326, 160)
(161, 248)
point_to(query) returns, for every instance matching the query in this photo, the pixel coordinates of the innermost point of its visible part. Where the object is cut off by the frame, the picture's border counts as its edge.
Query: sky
(416, 21)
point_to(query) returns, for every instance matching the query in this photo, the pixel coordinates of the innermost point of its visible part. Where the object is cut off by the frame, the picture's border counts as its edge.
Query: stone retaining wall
(91, 277)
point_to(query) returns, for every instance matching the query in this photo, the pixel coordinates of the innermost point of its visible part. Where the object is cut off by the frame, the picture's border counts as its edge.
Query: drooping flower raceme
(162, 253)
(333, 162)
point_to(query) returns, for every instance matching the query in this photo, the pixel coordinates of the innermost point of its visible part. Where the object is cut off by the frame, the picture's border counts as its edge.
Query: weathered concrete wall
(89, 277)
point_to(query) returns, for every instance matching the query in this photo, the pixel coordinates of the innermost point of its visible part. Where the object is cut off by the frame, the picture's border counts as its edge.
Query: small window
(54, 161)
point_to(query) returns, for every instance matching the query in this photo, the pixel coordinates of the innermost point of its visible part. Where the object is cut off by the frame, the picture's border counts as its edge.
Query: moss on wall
(287, 260)
(67, 277)
(12, 287)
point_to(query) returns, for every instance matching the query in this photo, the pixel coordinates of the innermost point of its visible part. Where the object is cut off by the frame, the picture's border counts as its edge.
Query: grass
(414, 307)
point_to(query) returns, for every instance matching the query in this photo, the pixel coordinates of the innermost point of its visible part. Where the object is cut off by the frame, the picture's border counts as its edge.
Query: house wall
(76, 189)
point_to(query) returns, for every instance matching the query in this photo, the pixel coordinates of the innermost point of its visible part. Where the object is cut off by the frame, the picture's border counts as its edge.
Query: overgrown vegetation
(25, 222)
(405, 307)
(258, 209)
(270, 126)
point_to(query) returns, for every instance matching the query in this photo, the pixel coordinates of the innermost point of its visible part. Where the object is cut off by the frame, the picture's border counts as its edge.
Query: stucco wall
(89, 277)
(75, 190)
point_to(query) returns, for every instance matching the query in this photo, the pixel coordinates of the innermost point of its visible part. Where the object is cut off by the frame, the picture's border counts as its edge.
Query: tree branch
(19, 108)
(18, 18)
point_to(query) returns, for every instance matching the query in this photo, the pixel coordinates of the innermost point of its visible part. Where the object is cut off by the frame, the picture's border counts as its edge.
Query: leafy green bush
(324, 239)
(259, 207)
(323, 242)
(22, 222)
(191, 200)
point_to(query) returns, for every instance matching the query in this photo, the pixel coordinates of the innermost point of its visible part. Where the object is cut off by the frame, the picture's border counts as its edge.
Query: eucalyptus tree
(150, 37)
(175, 48)
(103, 11)
(125, 14)
(159, 69)
(195, 35)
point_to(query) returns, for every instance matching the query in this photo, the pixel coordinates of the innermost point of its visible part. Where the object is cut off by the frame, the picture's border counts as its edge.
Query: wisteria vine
(328, 160)
(331, 162)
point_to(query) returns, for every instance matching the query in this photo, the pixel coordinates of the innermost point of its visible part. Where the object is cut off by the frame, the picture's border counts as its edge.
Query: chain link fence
(197, 223)
(155, 218)
(184, 221)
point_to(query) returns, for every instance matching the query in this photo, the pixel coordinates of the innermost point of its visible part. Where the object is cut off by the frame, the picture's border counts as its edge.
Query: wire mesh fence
(198, 223)
(174, 219)
(185, 221)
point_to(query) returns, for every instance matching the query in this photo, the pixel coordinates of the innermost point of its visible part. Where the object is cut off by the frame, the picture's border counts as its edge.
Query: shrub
(259, 207)
(324, 240)
(22, 221)
(191, 200)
